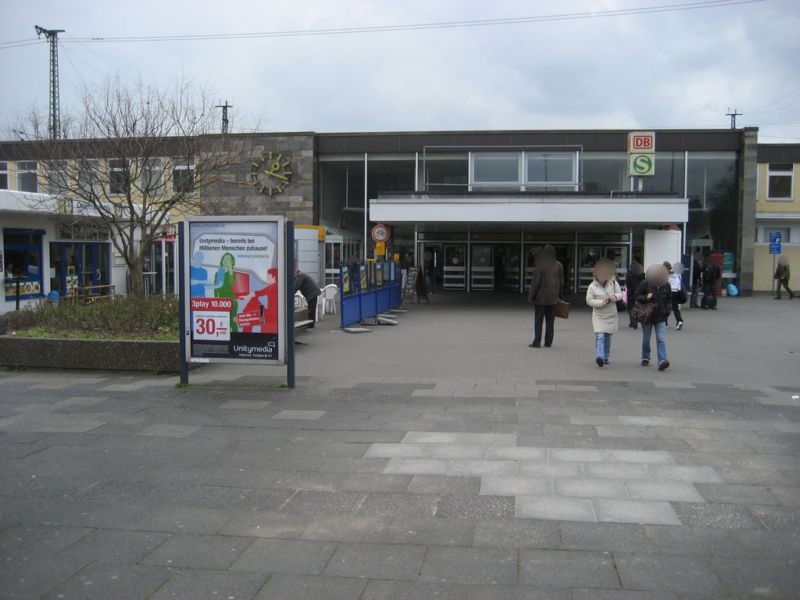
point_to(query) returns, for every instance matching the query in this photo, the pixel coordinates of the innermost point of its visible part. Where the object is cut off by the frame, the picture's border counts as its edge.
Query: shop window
(779, 185)
(784, 231)
(22, 253)
(27, 176)
(118, 176)
(551, 169)
(3, 175)
(496, 169)
(182, 175)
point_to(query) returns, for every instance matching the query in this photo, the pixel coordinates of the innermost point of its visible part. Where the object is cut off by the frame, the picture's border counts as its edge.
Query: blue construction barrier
(368, 290)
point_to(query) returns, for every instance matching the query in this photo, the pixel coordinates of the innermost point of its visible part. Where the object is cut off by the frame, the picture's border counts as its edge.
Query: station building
(473, 207)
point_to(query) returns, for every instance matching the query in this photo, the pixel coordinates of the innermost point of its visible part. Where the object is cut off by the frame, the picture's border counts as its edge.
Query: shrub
(118, 317)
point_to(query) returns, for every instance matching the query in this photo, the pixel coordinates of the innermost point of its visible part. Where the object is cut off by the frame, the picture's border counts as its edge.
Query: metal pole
(366, 207)
(289, 279)
(164, 267)
(184, 367)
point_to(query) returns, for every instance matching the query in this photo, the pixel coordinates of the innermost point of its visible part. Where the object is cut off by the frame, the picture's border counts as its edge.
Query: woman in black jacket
(655, 289)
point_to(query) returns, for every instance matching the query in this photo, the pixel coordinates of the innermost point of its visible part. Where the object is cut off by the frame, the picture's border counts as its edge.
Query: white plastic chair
(330, 294)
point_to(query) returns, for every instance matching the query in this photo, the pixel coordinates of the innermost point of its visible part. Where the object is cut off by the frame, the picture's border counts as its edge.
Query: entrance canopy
(624, 208)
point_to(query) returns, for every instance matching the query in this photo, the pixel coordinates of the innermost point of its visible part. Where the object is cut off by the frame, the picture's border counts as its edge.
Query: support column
(746, 247)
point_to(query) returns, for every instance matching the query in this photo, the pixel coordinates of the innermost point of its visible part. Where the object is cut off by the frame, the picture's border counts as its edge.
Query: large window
(27, 176)
(551, 170)
(496, 169)
(389, 175)
(446, 173)
(669, 174)
(604, 172)
(89, 177)
(151, 175)
(342, 192)
(713, 198)
(779, 184)
(118, 174)
(182, 175)
(57, 177)
(3, 175)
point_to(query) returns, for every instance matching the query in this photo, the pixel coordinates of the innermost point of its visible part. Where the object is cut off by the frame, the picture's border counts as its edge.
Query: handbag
(561, 310)
(621, 306)
(643, 312)
(682, 297)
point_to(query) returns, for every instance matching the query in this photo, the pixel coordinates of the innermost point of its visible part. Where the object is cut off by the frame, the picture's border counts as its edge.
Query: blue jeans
(602, 345)
(661, 340)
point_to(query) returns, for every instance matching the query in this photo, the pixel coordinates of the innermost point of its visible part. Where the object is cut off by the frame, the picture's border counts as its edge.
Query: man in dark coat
(545, 292)
(310, 290)
(633, 278)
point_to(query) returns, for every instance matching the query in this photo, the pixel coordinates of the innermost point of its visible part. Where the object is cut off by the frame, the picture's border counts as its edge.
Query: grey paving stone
(395, 451)
(417, 466)
(38, 541)
(399, 505)
(616, 471)
(778, 517)
(768, 544)
(346, 528)
(443, 485)
(788, 495)
(567, 569)
(516, 533)
(470, 566)
(516, 453)
(589, 488)
(590, 594)
(555, 508)
(431, 532)
(612, 537)
(192, 583)
(168, 430)
(514, 592)
(430, 437)
(405, 590)
(669, 539)
(313, 503)
(662, 573)
(516, 486)
(687, 473)
(552, 470)
(653, 457)
(453, 451)
(102, 581)
(753, 578)
(670, 491)
(481, 468)
(299, 415)
(635, 511)
(198, 551)
(292, 557)
(487, 439)
(307, 587)
(376, 561)
(577, 455)
(369, 482)
(725, 516)
(475, 507)
(33, 578)
(737, 494)
(109, 545)
(265, 524)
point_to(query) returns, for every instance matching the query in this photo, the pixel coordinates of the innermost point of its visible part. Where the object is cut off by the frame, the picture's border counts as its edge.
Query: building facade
(777, 210)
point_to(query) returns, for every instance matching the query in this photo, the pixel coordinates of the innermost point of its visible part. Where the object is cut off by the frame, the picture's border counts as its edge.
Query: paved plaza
(439, 459)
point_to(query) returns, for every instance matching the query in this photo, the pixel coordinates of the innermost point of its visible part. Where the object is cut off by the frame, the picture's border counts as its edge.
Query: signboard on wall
(235, 289)
(775, 239)
(641, 153)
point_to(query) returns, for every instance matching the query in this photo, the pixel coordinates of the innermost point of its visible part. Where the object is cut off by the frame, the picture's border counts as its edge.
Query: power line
(420, 26)
(768, 104)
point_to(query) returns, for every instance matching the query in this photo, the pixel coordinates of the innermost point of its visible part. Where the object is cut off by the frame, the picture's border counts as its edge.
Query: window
(89, 177)
(551, 169)
(57, 177)
(23, 259)
(447, 172)
(3, 175)
(27, 176)
(494, 168)
(779, 185)
(182, 175)
(151, 176)
(784, 231)
(118, 176)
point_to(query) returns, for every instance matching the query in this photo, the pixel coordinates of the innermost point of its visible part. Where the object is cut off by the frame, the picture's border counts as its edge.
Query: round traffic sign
(381, 233)
(643, 164)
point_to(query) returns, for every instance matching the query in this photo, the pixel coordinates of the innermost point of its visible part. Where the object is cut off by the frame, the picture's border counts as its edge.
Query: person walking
(545, 292)
(678, 292)
(710, 275)
(602, 295)
(782, 274)
(304, 284)
(633, 278)
(655, 290)
(697, 276)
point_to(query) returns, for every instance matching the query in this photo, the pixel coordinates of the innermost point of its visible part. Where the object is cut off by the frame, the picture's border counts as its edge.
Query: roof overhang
(499, 209)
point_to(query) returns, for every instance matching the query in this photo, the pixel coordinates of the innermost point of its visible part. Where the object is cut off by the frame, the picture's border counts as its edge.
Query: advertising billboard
(235, 289)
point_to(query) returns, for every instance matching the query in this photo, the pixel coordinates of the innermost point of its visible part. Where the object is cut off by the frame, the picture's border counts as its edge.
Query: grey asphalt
(441, 458)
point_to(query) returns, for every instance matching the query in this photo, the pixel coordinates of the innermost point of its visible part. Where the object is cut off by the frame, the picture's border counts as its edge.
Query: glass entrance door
(482, 268)
(455, 267)
(565, 254)
(507, 267)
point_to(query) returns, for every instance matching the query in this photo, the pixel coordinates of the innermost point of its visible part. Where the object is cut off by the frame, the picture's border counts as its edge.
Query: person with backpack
(602, 295)
(633, 278)
(782, 274)
(654, 295)
(710, 276)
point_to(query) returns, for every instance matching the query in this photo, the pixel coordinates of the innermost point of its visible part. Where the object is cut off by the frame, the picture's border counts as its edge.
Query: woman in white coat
(602, 296)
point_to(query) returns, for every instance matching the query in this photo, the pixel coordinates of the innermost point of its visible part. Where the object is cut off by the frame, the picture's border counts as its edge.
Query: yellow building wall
(763, 267)
(764, 205)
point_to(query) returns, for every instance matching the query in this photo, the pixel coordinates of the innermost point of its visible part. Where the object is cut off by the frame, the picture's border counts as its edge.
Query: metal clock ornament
(270, 173)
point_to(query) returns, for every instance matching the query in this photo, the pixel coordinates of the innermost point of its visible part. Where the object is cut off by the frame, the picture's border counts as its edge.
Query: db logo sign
(642, 142)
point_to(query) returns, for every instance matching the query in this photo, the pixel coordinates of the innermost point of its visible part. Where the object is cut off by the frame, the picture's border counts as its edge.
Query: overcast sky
(679, 69)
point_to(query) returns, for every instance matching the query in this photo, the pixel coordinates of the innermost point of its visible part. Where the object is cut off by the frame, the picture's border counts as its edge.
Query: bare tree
(135, 157)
